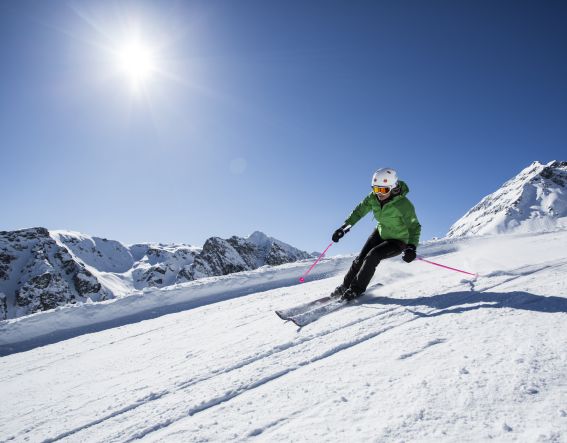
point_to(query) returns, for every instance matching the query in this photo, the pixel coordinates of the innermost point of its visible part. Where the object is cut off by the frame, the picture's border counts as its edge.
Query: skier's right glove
(339, 233)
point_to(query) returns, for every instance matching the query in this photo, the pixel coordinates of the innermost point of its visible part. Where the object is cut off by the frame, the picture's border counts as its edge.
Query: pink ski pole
(302, 278)
(446, 267)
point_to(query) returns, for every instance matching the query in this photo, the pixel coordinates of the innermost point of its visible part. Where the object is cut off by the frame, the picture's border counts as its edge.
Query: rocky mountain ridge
(534, 200)
(42, 269)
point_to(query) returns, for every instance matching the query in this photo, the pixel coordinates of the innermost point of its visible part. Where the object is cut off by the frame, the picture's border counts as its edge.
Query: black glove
(339, 233)
(409, 254)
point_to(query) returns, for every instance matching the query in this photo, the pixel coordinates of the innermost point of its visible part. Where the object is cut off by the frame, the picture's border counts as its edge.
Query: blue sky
(271, 115)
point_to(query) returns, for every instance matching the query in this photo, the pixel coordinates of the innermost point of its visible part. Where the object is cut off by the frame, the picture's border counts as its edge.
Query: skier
(397, 231)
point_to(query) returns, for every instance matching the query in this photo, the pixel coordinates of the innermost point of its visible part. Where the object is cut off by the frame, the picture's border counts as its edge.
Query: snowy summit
(533, 201)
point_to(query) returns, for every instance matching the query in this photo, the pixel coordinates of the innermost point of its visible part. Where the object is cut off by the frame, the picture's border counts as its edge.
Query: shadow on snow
(459, 302)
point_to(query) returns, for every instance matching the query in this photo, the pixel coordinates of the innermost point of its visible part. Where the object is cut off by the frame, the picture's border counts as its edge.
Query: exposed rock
(67, 262)
(43, 292)
(277, 256)
(248, 252)
(3, 306)
(184, 275)
(86, 284)
(154, 276)
(218, 257)
(41, 274)
(5, 260)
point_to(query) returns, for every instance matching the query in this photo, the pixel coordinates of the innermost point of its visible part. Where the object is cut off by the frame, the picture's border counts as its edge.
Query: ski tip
(286, 319)
(281, 315)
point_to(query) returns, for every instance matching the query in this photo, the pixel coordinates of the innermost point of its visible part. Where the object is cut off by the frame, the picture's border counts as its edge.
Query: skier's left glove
(409, 254)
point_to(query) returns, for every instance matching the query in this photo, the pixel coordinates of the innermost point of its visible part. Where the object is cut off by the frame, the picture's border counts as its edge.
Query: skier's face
(381, 196)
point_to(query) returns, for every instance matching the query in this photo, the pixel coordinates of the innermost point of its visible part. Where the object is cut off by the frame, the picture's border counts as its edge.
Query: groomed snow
(428, 355)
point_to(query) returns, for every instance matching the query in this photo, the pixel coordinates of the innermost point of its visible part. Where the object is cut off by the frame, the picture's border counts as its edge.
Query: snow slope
(426, 356)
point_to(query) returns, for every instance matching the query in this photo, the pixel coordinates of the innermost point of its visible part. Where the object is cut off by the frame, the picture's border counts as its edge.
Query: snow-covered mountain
(426, 355)
(534, 200)
(41, 269)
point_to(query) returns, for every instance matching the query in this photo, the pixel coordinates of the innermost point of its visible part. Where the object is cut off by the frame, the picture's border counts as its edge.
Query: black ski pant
(374, 250)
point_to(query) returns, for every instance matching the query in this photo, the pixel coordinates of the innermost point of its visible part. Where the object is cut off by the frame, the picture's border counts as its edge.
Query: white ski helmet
(385, 177)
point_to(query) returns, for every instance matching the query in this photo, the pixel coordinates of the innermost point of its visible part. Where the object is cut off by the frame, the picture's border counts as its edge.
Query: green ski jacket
(396, 219)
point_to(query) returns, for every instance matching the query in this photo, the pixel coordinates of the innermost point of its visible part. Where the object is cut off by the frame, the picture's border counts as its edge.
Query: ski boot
(350, 294)
(339, 291)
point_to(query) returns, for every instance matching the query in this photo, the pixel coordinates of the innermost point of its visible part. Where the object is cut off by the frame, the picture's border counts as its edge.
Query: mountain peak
(533, 200)
(259, 238)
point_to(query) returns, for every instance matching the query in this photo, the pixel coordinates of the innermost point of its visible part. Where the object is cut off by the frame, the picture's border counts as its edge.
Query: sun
(137, 63)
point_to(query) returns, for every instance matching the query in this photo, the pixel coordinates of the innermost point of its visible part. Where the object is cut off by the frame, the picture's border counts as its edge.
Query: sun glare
(137, 63)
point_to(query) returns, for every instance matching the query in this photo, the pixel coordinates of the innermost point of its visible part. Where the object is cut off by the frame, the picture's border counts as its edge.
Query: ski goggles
(381, 189)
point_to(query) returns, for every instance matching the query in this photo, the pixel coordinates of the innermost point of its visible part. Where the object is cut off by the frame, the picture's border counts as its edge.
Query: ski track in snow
(223, 398)
(169, 396)
(210, 403)
(427, 345)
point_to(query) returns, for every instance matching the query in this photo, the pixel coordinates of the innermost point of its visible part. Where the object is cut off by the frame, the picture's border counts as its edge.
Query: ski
(285, 314)
(307, 317)
(311, 311)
